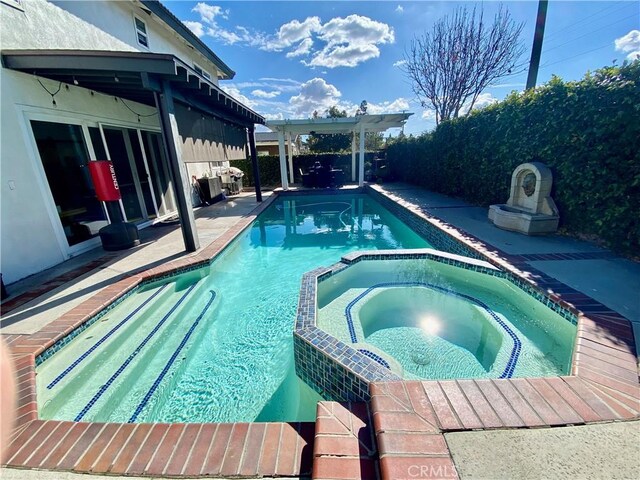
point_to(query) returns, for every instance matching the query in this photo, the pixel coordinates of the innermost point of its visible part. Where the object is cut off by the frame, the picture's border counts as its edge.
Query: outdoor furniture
(320, 176)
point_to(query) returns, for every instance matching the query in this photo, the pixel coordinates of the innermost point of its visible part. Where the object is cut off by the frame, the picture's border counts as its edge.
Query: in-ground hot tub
(429, 315)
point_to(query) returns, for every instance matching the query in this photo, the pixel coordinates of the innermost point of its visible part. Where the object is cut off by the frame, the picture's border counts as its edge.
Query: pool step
(344, 444)
(65, 373)
(119, 373)
(143, 370)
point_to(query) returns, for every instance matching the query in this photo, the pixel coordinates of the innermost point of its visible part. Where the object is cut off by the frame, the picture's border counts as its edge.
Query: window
(202, 72)
(141, 32)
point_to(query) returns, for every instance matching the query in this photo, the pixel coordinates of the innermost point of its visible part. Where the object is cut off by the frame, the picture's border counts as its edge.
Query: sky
(295, 57)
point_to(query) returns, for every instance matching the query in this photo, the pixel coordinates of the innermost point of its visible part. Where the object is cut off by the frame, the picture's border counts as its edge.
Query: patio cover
(154, 79)
(349, 125)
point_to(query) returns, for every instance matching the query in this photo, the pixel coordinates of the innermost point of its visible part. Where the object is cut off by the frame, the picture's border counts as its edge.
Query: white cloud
(316, 94)
(274, 116)
(484, 100)
(208, 12)
(263, 94)
(350, 41)
(399, 9)
(196, 27)
(282, 85)
(343, 56)
(291, 33)
(356, 29)
(343, 42)
(630, 44)
(429, 115)
(302, 49)
(235, 93)
(208, 18)
(396, 106)
(399, 63)
(283, 80)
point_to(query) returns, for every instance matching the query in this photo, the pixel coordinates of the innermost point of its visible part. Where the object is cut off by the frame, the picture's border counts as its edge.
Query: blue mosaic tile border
(335, 370)
(171, 360)
(60, 344)
(517, 344)
(440, 239)
(374, 357)
(130, 358)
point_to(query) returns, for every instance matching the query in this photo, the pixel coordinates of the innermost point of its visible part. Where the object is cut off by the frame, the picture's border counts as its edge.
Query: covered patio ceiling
(359, 124)
(133, 76)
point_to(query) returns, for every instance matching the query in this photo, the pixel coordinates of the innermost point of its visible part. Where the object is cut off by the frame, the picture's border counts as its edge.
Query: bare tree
(450, 66)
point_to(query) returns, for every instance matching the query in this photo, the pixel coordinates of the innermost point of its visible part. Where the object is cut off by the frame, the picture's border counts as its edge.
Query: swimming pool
(215, 344)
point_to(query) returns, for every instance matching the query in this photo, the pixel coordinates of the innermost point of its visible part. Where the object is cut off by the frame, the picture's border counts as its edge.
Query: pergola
(359, 124)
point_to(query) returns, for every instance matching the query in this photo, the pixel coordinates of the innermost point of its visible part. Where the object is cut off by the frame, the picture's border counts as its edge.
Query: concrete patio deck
(603, 276)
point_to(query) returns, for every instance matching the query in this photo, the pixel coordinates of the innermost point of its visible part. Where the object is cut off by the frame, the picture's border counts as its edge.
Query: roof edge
(181, 29)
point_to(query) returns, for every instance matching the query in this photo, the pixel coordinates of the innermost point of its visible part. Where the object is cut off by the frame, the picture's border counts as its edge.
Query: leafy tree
(373, 141)
(463, 54)
(327, 142)
(362, 109)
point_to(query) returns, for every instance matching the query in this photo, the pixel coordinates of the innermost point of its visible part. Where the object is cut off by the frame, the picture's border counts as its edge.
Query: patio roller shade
(208, 139)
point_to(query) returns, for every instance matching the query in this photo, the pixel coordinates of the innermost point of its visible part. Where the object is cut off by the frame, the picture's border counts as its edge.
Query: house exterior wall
(31, 238)
(91, 25)
(116, 19)
(42, 25)
(271, 148)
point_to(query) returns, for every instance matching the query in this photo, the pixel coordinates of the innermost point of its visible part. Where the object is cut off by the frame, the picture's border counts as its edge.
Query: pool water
(215, 345)
(431, 320)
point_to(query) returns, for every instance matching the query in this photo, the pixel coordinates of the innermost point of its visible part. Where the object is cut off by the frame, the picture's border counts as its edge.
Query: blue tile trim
(82, 357)
(374, 357)
(172, 359)
(130, 358)
(517, 345)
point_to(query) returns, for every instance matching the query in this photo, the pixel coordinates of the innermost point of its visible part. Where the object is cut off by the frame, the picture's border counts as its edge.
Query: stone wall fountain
(530, 208)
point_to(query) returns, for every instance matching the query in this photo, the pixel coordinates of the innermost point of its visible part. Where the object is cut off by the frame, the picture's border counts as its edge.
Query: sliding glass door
(141, 169)
(64, 156)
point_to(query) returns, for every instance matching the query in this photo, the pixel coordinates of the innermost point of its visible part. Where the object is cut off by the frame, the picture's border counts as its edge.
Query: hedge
(587, 132)
(270, 166)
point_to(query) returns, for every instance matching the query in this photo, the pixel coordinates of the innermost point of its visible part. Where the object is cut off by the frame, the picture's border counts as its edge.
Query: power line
(576, 55)
(553, 35)
(547, 50)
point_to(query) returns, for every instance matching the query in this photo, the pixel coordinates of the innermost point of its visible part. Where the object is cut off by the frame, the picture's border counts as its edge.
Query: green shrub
(587, 132)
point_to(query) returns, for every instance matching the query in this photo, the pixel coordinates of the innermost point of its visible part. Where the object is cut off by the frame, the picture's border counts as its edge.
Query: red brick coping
(398, 435)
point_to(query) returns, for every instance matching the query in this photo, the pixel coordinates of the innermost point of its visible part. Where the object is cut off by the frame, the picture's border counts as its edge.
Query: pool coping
(603, 387)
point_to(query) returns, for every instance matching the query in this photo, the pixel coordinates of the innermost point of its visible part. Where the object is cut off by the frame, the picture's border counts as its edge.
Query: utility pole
(536, 50)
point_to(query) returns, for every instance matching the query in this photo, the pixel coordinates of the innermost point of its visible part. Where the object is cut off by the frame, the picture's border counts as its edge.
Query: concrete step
(344, 445)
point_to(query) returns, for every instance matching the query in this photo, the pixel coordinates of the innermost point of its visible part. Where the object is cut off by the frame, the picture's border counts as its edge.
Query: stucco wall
(90, 25)
(28, 241)
(43, 25)
(116, 18)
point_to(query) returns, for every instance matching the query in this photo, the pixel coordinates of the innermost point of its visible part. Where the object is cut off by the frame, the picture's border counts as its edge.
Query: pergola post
(290, 157)
(177, 168)
(254, 162)
(361, 166)
(283, 161)
(353, 156)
